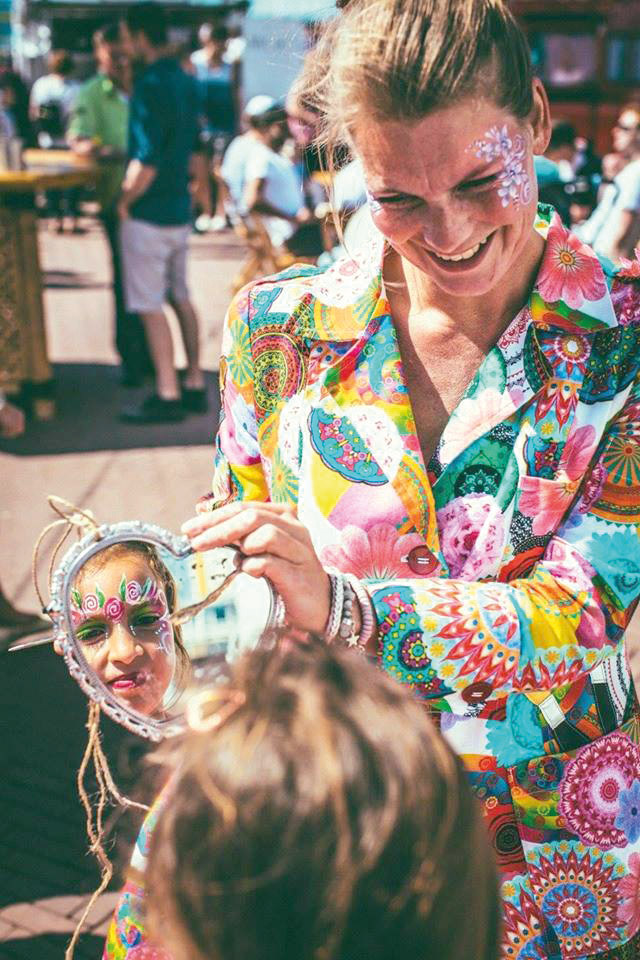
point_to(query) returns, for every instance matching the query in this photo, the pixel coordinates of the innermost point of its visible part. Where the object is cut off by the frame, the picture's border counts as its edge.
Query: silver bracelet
(367, 612)
(337, 603)
(347, 632)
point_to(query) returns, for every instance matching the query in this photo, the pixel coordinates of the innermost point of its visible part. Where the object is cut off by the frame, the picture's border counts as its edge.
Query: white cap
(259, 105)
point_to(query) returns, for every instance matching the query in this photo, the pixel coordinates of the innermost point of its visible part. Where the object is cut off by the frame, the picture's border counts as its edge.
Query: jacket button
(422, 561)
(476, 692)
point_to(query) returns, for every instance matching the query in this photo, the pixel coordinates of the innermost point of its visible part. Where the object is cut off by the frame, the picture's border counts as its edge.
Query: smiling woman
(432, 450)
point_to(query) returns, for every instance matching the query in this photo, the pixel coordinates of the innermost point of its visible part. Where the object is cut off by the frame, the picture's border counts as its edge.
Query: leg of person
(161, 346)
(131, 340)
(146, 252)
(194, 395)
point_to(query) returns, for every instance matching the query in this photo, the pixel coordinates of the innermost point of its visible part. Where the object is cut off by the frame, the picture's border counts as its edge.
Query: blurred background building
(588, 54)
(587, 51)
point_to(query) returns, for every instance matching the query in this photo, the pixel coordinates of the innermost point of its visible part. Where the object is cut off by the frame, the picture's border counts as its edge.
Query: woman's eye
(478, 184)
(397, 201)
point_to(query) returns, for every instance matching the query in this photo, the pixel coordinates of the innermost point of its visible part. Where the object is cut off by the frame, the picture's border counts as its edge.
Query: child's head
(121, 604)
(324, 818)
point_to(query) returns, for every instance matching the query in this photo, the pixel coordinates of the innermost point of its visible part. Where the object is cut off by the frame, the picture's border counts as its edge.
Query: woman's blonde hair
(325, 817)
(402, 59)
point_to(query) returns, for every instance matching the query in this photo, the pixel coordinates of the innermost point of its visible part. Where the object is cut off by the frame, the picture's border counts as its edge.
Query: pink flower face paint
(514, 183)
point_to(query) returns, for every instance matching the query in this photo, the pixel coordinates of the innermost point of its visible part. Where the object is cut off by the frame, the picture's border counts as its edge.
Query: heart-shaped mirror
(143, 621)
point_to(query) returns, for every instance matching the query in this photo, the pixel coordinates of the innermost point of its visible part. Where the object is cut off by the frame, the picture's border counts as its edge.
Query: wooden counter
(24, 364)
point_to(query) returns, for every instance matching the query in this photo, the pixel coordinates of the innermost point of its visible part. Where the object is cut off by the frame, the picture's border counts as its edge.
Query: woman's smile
(467, 259)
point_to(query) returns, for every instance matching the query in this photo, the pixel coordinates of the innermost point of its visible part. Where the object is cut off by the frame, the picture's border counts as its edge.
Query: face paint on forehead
(131, 593)
(514, 182)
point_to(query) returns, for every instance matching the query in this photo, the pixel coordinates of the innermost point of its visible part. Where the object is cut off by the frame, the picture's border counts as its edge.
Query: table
(24, 364)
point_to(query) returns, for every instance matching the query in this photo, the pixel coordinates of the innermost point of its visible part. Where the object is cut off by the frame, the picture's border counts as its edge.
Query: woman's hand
(275, 545)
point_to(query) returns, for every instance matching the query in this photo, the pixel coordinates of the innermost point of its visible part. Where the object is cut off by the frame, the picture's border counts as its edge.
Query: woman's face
(455, 192)
(122, 623)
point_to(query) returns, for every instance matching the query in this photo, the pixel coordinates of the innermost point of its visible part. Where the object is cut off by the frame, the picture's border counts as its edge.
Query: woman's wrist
(351, 619)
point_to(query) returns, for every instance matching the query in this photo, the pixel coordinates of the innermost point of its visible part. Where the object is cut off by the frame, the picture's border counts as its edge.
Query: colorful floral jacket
(525, 525)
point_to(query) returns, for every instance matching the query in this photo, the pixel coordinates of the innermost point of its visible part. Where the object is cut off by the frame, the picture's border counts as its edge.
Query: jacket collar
(571, 292)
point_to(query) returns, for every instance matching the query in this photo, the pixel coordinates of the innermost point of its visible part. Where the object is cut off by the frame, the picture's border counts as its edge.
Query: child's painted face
(123, 625)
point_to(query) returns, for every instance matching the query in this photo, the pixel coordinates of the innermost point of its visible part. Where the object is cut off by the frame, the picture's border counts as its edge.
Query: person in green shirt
(99, 129)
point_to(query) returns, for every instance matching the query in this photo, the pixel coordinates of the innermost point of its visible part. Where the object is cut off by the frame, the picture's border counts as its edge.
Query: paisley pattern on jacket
(529, 514)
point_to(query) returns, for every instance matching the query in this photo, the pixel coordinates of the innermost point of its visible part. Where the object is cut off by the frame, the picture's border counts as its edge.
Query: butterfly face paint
(123, 624)
(514, 182)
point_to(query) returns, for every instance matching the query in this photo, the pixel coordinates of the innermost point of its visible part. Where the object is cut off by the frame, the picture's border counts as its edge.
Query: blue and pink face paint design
(514, 182)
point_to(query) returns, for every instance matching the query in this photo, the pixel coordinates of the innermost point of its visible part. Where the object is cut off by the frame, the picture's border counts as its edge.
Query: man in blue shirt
(155, 212)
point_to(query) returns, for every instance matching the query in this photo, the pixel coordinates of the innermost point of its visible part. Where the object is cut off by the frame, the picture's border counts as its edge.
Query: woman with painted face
(121, 605)
(432, 449)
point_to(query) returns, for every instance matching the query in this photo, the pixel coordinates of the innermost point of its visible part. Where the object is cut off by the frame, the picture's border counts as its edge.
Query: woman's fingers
(237, 526)
(206, 521)
(272, 539)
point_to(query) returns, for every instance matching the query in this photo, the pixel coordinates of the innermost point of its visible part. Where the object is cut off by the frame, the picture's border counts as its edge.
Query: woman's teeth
(467, 254)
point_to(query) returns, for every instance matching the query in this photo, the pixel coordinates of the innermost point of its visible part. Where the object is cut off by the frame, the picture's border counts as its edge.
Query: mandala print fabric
(529, 510)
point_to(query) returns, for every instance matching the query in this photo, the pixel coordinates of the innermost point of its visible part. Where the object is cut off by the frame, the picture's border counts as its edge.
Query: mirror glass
(150, 626)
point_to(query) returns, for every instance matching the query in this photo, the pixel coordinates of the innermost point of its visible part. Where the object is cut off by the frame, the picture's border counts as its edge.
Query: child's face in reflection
(123, 625)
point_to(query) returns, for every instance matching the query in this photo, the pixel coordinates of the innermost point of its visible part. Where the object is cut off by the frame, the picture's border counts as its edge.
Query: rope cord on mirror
(83, 521)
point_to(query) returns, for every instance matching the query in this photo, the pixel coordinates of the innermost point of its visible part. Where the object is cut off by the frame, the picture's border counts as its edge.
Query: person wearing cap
(262, 181)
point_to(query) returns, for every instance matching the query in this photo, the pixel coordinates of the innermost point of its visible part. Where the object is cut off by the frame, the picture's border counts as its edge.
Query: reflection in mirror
(125, 604)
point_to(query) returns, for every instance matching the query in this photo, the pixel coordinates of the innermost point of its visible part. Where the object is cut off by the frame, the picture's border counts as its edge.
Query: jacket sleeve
(238, 468)
(561, 620)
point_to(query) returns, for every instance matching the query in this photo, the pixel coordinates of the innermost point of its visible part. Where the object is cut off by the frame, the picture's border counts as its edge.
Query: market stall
(25, 367)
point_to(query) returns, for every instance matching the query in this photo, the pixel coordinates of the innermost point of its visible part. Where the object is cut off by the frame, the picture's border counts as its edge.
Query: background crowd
(177, 154)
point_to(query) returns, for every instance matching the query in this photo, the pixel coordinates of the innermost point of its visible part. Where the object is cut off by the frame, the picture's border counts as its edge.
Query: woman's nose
(122, 645)
(443, 228)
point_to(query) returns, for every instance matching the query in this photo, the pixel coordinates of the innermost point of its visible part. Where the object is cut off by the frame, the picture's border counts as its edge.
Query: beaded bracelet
(347, 633)
(366, 612)
(336, 581)
(340, 626)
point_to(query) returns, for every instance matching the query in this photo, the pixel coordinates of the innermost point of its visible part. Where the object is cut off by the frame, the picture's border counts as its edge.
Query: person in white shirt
(262, 181)
(613, 229)
(52, 99)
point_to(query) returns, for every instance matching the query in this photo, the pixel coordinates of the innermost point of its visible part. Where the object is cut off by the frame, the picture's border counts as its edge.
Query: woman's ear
(540, 117)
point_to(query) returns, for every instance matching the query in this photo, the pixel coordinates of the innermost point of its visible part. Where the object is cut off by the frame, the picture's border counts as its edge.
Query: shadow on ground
(43, 842)
(51, 947)
(88, 399)
(71, 280)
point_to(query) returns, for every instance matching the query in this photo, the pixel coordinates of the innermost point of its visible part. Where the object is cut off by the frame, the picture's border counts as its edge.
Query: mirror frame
(59, 609)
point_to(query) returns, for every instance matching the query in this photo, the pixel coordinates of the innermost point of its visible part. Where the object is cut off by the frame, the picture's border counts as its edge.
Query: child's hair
(324, 817)
(146, 550)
